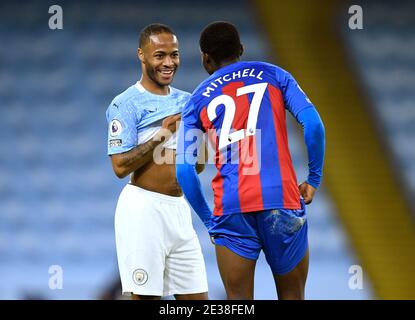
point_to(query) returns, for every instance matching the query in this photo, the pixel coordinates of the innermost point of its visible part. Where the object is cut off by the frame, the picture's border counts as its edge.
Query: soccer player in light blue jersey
(157, 248)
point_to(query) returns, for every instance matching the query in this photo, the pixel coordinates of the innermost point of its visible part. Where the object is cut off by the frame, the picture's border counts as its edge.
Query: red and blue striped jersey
(242, 108)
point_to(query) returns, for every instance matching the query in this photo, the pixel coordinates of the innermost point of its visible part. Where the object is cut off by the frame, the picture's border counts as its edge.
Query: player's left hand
(307, 192)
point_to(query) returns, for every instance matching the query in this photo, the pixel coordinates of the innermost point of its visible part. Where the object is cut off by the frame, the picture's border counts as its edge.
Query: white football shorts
(158, 250)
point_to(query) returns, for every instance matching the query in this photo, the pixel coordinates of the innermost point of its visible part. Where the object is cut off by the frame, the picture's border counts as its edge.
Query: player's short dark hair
(221, 41)
(151, 29)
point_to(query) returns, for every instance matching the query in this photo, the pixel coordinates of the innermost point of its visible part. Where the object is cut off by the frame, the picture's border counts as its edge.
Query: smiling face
(159, 59)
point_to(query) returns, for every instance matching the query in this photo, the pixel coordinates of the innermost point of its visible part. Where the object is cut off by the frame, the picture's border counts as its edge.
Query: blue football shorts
(280, 233)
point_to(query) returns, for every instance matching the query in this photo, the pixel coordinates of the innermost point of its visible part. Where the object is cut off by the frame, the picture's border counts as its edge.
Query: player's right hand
(170, 122)
(307, 192)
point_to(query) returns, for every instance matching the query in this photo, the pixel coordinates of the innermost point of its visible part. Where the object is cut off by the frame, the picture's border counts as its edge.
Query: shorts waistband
(155, 195)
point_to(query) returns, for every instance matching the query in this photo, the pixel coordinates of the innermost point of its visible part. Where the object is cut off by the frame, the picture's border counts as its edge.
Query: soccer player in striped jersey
(258, 204)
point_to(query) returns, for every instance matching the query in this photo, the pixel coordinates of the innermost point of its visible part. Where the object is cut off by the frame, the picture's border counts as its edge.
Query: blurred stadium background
(57, 189)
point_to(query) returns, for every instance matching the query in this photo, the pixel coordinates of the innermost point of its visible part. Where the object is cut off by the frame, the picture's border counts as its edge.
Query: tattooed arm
(125, 163)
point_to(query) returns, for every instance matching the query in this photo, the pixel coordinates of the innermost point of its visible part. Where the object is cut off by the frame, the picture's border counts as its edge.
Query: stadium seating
(57, 189)
(384, 53)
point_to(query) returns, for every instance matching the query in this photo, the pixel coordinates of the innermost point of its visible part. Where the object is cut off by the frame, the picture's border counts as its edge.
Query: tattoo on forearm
(130, 158)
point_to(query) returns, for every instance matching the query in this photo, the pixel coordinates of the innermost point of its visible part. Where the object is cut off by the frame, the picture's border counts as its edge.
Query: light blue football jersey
(135, 115)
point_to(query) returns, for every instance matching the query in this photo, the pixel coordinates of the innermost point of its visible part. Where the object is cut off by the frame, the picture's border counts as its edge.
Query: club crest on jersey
(140, 277)
(115, 128)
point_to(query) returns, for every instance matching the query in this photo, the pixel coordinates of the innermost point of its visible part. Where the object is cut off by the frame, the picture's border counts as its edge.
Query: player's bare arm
(125, 163)
(202, 159)
(200, 167)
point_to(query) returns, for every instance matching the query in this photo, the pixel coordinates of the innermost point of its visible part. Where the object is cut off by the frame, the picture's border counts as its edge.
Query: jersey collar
(141, 89)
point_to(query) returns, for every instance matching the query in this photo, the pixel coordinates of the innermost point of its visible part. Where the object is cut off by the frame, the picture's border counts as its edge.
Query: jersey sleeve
(314, 138)
(294, 97)
(190, 132)
(189, 141)
(122, 128)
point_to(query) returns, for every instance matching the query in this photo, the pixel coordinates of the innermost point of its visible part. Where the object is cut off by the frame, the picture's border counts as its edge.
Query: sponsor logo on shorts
(115, 143)
(140, 277)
